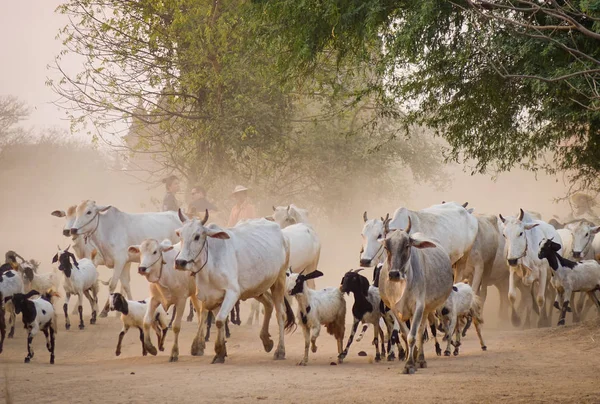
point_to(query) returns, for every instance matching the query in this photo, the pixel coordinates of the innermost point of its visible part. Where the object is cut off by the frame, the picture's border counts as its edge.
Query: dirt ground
(541, 365)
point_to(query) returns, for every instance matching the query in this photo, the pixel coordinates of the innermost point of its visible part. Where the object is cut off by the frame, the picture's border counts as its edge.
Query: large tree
(504, 82)
(203, 98)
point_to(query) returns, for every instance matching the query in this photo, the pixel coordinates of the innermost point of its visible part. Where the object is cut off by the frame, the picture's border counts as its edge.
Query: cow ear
(270, 218)
(166, 245)
(217, 232)
(595, 230)
(470, 210)
(133, 252)
(422, 243)
(59, 213)
(531, 226)
(178, 233)
(313, 275)
(103, 208)
(55, 258)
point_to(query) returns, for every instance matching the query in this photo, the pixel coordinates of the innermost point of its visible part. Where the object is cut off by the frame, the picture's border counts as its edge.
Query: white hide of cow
(81, 248)
(113, 231)
(523, 236)
(450, 223)
(305, 246)
(242, 262)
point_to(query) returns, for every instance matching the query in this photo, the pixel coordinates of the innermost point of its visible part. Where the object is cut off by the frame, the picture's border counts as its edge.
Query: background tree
(203, 99)
(504, 82)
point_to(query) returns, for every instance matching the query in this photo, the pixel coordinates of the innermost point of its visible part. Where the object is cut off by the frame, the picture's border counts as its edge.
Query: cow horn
(409, 226)
(521, 213)
(58, 247)
(67, 249)
(288, 209)
(205, 217)
(387, 216)
(386, 226)
(464, 205)
(365, 216)
(443, 202)
(502, 218)
(274, 208)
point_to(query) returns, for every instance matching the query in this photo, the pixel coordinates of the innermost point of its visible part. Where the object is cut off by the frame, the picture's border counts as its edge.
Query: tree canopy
(506, 83)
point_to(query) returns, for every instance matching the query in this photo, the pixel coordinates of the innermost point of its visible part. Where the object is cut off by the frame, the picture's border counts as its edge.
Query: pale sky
(27, 45)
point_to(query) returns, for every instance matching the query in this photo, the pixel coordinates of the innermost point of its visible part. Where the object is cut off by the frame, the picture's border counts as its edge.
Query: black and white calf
(315, 308)
(38, 314)
(132, 315)
(81, 278)
(10, 284)
(366, 309)
(569, 276)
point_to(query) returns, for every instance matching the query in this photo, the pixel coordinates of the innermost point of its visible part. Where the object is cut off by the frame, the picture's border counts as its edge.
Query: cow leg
(409, 367)
(235, 314)
(121, 335)
(457, 335)
(228, 302)
(350, 339)
(199, 343)
(264, 332)
(420, 340)
(589, 303)
(125, 279)
(504, 303)
(179, 308)
(209, 320)
(512, 297)
(80, 309)
(254, 307)
(148, 322)
(450, 332)
(173, 316)
(92, 305)
(594, 299)
(66, 310)
(283, 311)
(190, 316)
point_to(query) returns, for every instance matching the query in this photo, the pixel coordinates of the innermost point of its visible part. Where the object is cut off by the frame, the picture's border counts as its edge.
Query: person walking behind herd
(170, 201)
(243, 208)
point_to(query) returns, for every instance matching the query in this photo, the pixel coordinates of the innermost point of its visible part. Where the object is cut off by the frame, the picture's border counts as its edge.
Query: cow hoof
(446, 353)
(410, 370)
(92, 321)
(516, 321)
(174, 359)
(455, 352)
(27, 360)
(279, 355)
(302, 363)
(313, 348)
(145, 353)
(391, 357)
(81, 326)
(206, 339)
(52, 361)
(103, 314)
(561, 322)
(227, 335)
(218, 359)
(377, 358)
(118, 353)
(268, 345)
(556, 306)
(423, 364)
(67, 327)
(161, 348)
(11, 335)
(151, 349)
(484, 348)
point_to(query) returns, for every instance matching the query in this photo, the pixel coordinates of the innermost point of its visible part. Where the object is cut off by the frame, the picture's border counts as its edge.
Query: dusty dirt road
(547, 365)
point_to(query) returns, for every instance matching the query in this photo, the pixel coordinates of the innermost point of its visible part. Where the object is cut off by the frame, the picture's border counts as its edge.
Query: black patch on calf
(445, 311)
(43, 311)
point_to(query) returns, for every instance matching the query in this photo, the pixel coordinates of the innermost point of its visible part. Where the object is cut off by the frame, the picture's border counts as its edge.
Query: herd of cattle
(431, 267)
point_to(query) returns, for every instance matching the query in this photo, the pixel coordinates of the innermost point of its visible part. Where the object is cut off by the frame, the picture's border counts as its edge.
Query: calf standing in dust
(415, 280)
(113, 231)
(242, 262)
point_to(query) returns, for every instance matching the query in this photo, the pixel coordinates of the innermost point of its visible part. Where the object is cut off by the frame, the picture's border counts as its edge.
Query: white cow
(305, 246)
(241, 262)
(523, 236)
(449, 223)
(82, 248)
(113, 231)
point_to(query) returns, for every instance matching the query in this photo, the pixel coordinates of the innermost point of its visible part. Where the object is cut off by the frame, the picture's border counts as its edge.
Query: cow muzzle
(394, 275)
(365, 262)
(66, 232)
(513, 262)
(142, 270)
(181, 264)
(576, 254)
(73, 231)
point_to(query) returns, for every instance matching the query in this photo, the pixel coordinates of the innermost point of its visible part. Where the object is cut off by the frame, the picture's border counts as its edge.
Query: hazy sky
(27, 30)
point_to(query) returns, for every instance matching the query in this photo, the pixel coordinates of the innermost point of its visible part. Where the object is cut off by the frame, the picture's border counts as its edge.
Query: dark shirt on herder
(170, 203)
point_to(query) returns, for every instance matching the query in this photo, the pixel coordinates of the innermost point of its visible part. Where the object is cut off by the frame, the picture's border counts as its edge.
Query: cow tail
(290, 318)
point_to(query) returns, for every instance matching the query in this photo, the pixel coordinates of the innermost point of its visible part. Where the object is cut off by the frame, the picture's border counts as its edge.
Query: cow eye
(380, 236)
(587, 234)
(89, 212)
(155, 252)
(520, 234)
(197, 237)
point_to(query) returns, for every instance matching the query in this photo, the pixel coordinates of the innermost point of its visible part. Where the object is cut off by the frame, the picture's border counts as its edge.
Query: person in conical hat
(243, 208)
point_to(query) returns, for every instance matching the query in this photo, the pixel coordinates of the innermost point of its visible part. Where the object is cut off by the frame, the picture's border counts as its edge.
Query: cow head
(193, 236)
(88, 215)
(295, 283)
(583, 235)
(286, 216)
(371, 233)
(398, 245)
(70, 216)
(514, 231)
(150, 256)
